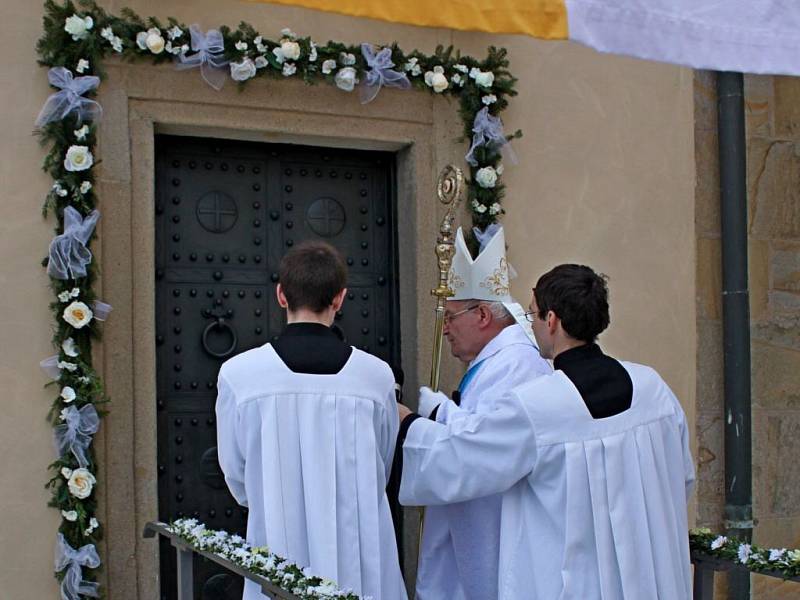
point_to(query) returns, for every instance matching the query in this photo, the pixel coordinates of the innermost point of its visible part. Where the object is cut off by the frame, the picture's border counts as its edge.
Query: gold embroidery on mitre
(454, 280)
(497, 281)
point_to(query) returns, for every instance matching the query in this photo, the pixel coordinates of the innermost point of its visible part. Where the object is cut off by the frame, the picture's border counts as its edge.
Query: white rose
(278, 55)
(70, 515)
(78, 27)
(289, 69)
(244, 70)
(107, 33)
(68, 394)
(436, 79)
(78, 158)
(75, 292)
(83, 64)
(489, 99)
(241, 46)
(346, 58)
(495, 209)
(481, 208)
(346, 79)
(486, 177)
(80, 483)
(288, 33)
(174, 32)
(461, 68)
(85, 186)
(312, 55)
(69, 347)
(154, 42)
(78, 314)
(484, 78)
(141, 40)
(59, 191)
(328, 66)
(66, 472)
(64, 297)
(473, 72)
(260, 62)
(290, 50)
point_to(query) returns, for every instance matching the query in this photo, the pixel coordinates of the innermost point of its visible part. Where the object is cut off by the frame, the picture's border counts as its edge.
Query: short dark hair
(578, 296)
(311, 274)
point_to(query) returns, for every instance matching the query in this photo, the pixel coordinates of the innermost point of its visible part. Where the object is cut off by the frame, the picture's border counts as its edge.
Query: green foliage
(116, 36)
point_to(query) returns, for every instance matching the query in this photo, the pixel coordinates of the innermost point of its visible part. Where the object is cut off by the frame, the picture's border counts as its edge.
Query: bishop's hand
(429, 400)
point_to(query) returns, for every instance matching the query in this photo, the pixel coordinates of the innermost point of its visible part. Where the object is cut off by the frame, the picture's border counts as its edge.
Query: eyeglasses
(531, 316)
(448, 318)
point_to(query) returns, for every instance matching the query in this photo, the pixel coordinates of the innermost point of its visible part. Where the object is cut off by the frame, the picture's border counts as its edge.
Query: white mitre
(485, 277)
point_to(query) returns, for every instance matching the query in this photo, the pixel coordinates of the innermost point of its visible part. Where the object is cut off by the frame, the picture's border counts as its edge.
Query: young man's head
(471, 324)
(312, 282)
(569, 308)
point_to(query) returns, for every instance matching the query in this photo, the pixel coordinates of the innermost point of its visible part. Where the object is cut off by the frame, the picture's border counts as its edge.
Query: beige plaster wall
(606, 177)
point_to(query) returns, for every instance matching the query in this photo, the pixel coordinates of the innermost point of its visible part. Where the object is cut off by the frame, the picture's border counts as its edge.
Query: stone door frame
(140, 101)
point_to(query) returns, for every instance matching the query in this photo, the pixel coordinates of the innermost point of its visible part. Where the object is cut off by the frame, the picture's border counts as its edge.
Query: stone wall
(772, 106)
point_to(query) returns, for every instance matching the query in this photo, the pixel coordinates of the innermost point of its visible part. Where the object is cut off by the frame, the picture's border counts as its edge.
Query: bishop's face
(461, 328)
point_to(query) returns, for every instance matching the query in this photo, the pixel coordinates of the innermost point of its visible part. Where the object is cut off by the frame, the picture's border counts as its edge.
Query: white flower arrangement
(756, 559)
(436, 79)
(346, 79)
(243, 70)
(412, 67)
(80, 134)
(328, 66)
(486, 177)
(78, 27)
(68, 394)
(69, 347)
(78, 158)
(58, 190)
(258, 560)
(289, 69)
(78, 314)
(151, 40)
(80, 483)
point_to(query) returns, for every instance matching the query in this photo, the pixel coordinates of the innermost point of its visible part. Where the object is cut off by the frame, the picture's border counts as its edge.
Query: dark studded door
(226, 212)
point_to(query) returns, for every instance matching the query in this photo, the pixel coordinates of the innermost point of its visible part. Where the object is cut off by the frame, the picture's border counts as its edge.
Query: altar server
(460, 542)
(592, 462)
(306, 431)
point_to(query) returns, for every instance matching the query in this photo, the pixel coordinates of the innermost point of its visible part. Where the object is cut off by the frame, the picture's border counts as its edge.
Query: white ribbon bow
(68, 254)
(209, 55)
(73, 586)
(70, 98)
(76, 433)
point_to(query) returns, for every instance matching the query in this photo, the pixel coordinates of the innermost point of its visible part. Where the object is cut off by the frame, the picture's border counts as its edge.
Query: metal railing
(185, 575)
(705, 566)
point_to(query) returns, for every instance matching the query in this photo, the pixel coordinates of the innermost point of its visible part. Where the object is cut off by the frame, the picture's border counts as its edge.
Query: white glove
(429, 400)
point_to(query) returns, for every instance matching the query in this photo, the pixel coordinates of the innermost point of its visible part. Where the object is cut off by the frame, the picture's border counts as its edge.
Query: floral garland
(755, 558)
(75, 41)
(288, 576)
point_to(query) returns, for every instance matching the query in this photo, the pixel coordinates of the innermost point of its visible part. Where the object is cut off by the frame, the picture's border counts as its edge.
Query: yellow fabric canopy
(546, 19)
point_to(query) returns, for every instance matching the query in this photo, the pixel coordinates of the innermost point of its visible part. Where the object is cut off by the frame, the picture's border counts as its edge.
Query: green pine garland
(110, 36)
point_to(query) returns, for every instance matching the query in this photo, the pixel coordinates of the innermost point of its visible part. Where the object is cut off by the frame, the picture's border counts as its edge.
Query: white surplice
(309, 455)
(591, 508)
(460, 542)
